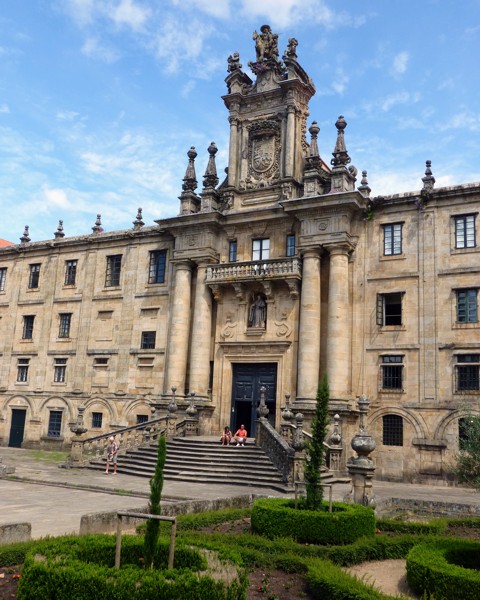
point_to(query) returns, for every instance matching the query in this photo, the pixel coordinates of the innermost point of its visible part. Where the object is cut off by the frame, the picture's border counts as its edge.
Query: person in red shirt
(240, 436)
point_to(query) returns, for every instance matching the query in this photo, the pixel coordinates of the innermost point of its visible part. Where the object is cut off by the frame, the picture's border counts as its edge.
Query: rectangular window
(392, 372)
(142, 419)
(22, 369)
(158, 261)
(97, 419)
(34, 278)
(55, 423)
(100, 361)
(60, 370)
(392, 430)
(148, 340)
(465, 231)
(261, 249)
(467, 306)
(389, 309)
(468, 373)
(290, 250)
(65, 323)
(114, 266)
(28, 321)
(70, 272)
(3, 278)
(232, 251)
(392, 239)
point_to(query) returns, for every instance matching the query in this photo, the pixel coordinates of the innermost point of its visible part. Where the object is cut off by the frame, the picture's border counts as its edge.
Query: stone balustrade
(249, 271)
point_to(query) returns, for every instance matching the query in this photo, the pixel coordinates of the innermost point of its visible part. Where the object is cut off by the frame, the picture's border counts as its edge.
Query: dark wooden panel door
(17, 428)
(247, 381)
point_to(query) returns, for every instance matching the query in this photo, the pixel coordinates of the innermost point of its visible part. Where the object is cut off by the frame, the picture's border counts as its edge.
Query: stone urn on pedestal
(361, 467)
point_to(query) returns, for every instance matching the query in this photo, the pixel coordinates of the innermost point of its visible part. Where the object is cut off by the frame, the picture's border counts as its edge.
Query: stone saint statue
(258, 313)
(266, 44)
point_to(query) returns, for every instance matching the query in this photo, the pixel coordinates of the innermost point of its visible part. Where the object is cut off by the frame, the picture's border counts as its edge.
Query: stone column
(201, 336)
(232, 154)
(338, 340)
(179, 328)
(290, 142)
(309, 327)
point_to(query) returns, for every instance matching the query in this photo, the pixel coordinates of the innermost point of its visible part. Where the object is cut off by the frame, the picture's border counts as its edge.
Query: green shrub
(441, 568)
(435, 527)
(276, 517)
(82, 568)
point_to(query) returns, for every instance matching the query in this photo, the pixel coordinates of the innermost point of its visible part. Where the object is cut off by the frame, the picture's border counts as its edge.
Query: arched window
(392, 430)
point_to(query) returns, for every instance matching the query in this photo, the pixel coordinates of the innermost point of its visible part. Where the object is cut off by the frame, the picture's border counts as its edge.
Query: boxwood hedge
(445, 569)
(276, 517)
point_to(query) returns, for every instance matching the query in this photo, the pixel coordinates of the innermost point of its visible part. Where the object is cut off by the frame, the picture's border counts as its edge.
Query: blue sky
(101, 99)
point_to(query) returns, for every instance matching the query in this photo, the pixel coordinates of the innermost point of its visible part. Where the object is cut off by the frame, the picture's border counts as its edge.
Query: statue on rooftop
(266, 44)
(233, 62)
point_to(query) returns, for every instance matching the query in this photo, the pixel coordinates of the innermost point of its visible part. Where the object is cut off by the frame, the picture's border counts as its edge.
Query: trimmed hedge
(276, 517)
(81, 568)
(442, 569)
(436, 527)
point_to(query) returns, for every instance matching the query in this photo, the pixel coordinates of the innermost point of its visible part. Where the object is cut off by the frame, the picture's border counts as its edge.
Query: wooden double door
(248, 378)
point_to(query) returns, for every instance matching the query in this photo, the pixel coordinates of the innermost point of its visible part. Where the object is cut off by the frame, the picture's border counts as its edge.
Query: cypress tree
(315, 448)
(153, 525)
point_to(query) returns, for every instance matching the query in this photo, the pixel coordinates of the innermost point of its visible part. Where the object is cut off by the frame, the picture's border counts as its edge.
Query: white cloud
(81, 11)
(67, 115)
(403, 97)
(130, 14)
(56, 197)
(462, 120)
(95, 49)
(215, 8)
(4, 109)
(282, 13)
(341, 80)
(400, 63)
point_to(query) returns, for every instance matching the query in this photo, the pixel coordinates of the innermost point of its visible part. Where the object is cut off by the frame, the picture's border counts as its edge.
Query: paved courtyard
(53, 499)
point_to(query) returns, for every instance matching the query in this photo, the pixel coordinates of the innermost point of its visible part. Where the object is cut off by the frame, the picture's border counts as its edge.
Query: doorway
(17, 428)
(247, 381)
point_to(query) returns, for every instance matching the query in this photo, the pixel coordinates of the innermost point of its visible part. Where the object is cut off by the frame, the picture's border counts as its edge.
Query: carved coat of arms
(263, 153)
(264, 150)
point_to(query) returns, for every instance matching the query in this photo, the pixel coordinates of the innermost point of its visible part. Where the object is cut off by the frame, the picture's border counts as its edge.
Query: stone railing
(247, 271)
(277, 449)
(130, 438)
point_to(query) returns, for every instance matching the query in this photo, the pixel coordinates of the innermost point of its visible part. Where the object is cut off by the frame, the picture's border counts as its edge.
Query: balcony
(246, 272)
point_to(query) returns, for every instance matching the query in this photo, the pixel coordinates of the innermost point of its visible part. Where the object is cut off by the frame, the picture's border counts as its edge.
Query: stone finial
(364, 188)
(190, 179)
(429, 179)
(210, 179)
(59, 234)
(138, 223)
(314, 130)
(97, 228)
(340, 154)
(25, 237)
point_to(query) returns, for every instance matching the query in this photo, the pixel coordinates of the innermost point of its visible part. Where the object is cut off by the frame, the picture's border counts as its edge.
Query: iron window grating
(392, 430)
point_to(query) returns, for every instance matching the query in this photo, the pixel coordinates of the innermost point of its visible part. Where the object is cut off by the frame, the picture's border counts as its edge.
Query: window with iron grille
(28, 321)
(60, 370)
(34, 278)
(97, 419)
(392, 239)
(142, 419)
(392, 372)
(467, 306)
(462, 433)
(232, 251)
(65, 323)
(70, 272)
(158, 261)
(468, 373)
(465, 231)
(389, 309)
(392, 430)
(3, 278)
(114, 266)
(22, 369)
(290, 245)
(148, 340)
(261, 249)
(55, 423)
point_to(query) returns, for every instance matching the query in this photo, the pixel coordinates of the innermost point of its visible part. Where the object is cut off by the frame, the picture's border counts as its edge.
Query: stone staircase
(204, 460)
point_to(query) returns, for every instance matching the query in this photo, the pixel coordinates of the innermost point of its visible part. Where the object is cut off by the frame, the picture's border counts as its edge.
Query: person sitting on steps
(240, 437)
(226, 437)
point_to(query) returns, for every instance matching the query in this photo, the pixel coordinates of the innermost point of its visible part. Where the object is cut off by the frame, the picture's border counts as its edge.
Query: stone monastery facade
(287, 269)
